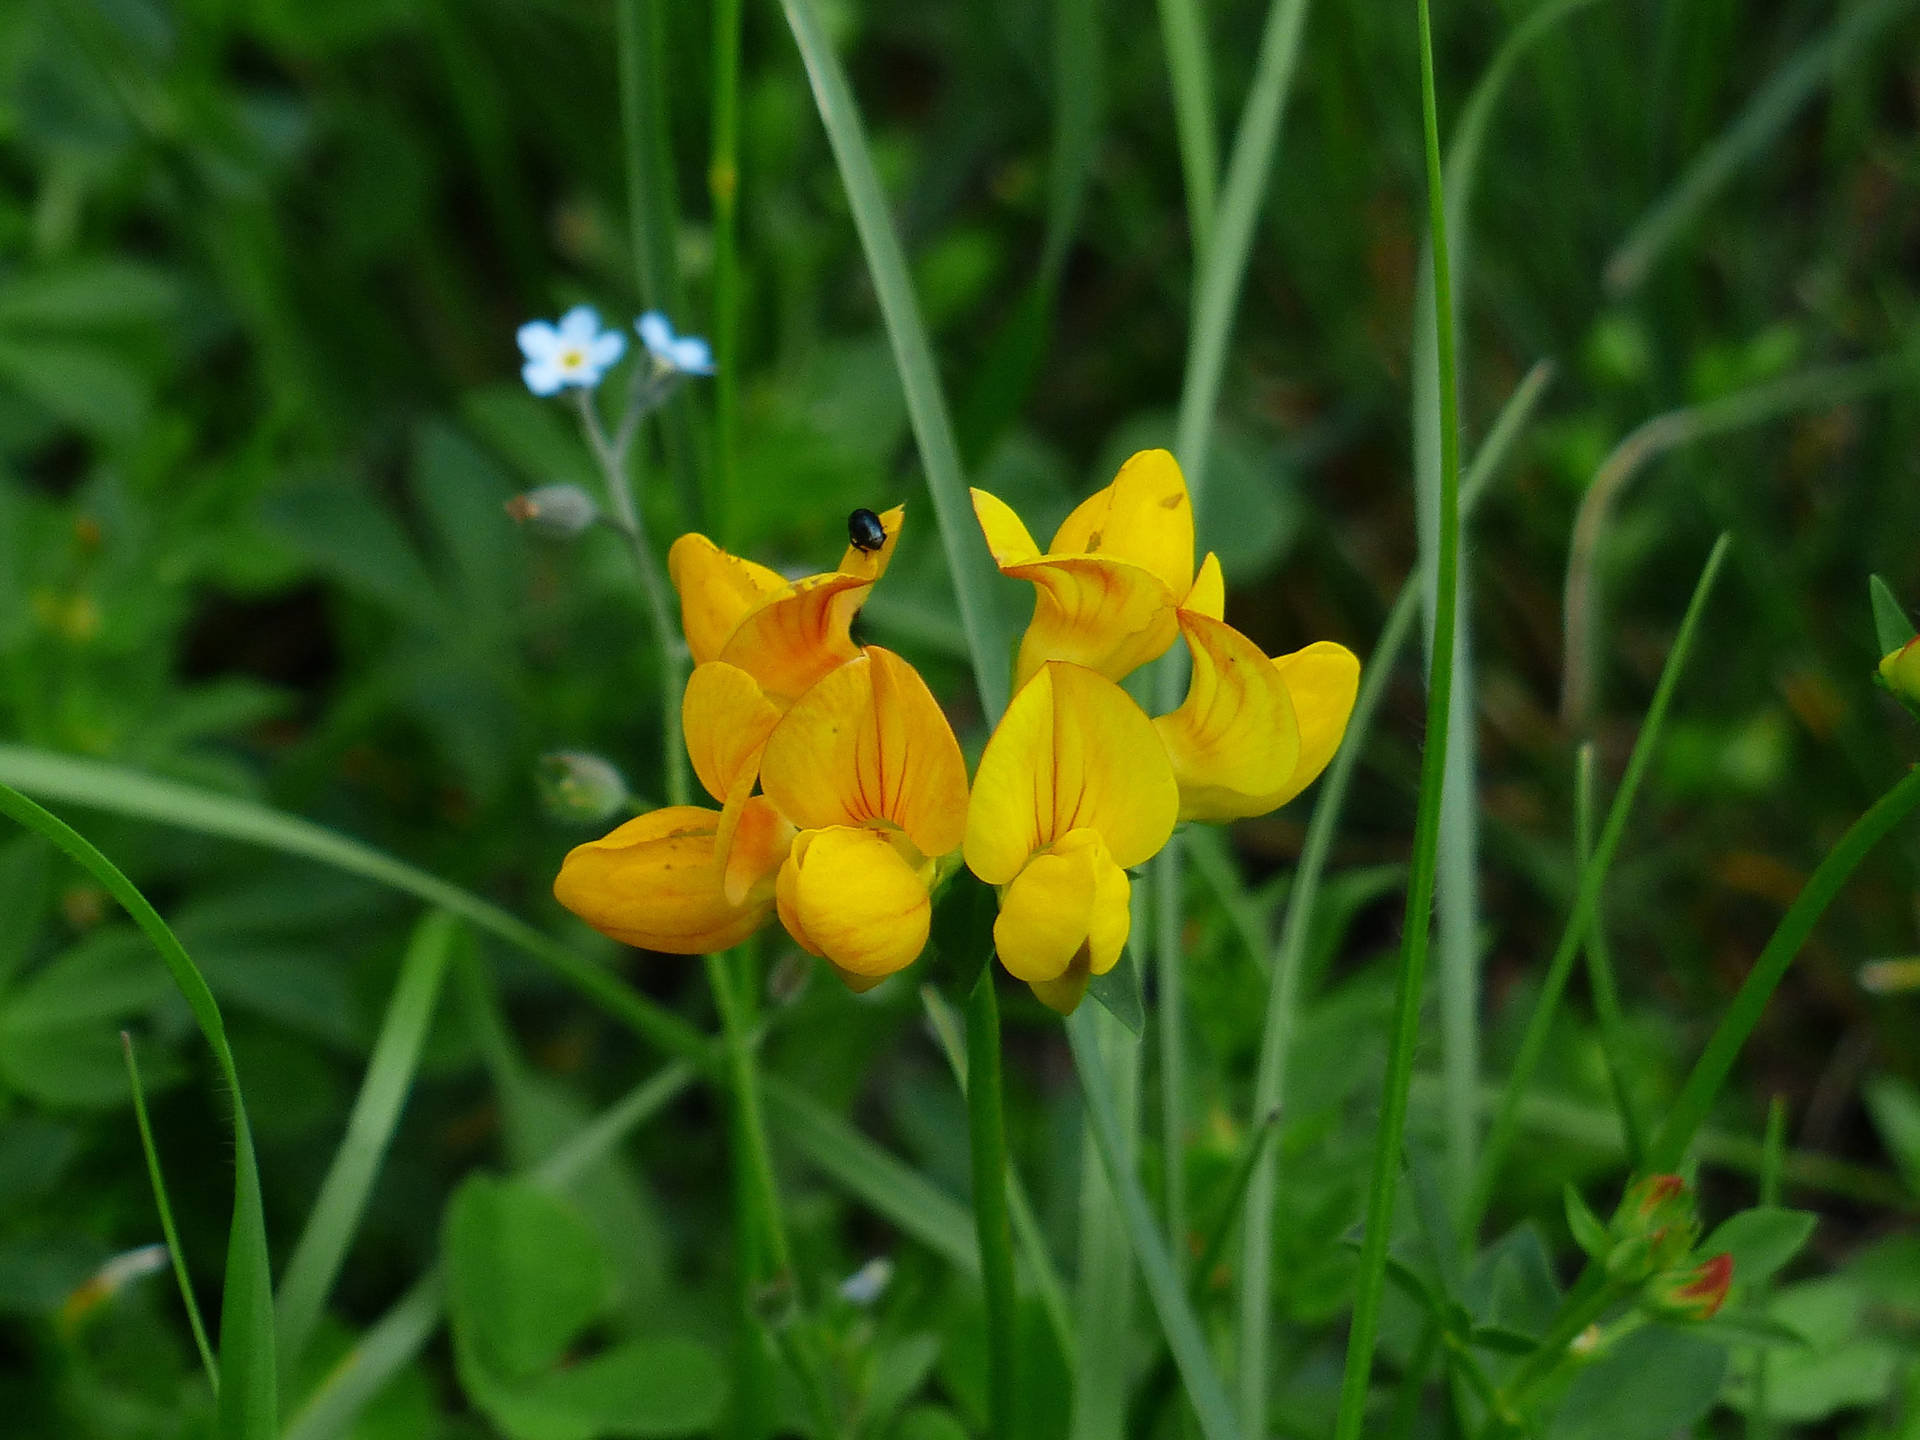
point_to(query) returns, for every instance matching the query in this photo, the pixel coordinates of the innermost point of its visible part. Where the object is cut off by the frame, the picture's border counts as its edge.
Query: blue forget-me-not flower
(574, 352)
(685, 354)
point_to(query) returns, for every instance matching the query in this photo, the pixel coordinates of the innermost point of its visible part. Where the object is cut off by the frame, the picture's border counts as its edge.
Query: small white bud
(578, 786)
(562, 511)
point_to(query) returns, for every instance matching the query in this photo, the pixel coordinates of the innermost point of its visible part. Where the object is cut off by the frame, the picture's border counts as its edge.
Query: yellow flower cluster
(862, 796)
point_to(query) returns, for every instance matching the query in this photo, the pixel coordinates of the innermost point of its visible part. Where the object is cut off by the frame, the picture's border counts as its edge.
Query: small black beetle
(865, 532)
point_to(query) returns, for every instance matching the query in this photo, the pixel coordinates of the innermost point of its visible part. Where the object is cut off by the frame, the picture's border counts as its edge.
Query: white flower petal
(656, 334)
(543, 377)
(579, 325)
(693, 355)
(607, 348)
(537, 339)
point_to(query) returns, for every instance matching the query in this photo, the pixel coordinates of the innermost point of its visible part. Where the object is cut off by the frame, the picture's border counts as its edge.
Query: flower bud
(577, 786)
(1653, 1229)
(561, 511)
(1695, 1294)
(1900, 671)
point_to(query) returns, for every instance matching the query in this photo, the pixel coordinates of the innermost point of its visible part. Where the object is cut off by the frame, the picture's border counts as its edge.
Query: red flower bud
(1695, 1294)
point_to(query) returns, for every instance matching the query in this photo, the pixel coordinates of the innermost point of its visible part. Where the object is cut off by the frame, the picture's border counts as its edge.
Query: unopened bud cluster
(1648, 1246)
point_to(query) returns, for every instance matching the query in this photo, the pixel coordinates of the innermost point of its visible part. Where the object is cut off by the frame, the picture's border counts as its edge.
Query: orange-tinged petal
(870, 743)
(1235, 740)
(797, 637)
(1324, 679)
(1072, 752)
(1008, 539)
(1094, 610)
(726, 721)
(853, 899)
(717, 591)
(751, 845)
(1144, 517)
(653, 884)
(1208, 596)
(870, 565)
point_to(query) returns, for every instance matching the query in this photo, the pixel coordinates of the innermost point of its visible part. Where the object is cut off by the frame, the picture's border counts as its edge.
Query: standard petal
(1324, 679)
(1208, 596)
(726, 721)
(799, 636)
(869, 742)
(1072, 752)
(653, 884)
(717, 591)
(1007, 537)
(872, 564)
(1144, 517)
(857, 901)
(1235, 740)
(1092, 610)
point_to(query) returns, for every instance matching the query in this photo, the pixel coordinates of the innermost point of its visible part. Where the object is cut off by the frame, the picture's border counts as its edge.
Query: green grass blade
(1457, 899)
(1747, 140)
(1079, 101)
(403, 1332)
(1356, 1381)
(341, 1202)
(1182, 1330)
(165, 1207)
(1283, 986)
(1689, 1110)
(1223, 265)
(1034, 1254)
(1183, 30)
(1104, 1256)
(1891, 627)
(1600, 978)
(145, 797)
(968, 562)
(248, 1397)
(1829, 385)
(1533, 1043)
(1168, 876)
(723, 184)
(993, 1225)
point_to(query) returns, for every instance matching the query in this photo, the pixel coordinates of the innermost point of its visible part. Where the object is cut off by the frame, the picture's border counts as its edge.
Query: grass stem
(987, 1131)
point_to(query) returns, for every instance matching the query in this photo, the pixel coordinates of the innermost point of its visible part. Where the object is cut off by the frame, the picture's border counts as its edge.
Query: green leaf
(1891, 627)
(928, 1422)
(1119, 990)
(1588, 1233)
(1761, 1241)
(524, 1277)
(89, 294)
(1655, 1383)
(84, 384)
(1895, 1108)
(655, 1386)
(26, 888)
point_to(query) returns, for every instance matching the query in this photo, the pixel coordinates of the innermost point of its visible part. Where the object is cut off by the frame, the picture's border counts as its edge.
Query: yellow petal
(800, 635)
(1234, 741)
(1112, 917)
(653, 884)
(870, 565)
(1007, 538)
(1324, 679)
(1097, 611)
(1208, 596)
(751, 845)
(1072, 752)
(870, 743)
(717, 591)
(726, 721)
(1067, 906)
(848, 895)
(1144, 517)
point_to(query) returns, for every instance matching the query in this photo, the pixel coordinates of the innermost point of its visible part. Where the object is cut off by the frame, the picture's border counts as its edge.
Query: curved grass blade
(1746, 140)
(165, 1207)
(1283, 985)
(248, 1397)
(341, 1202)
(1183, 30)
(1533, 1043)
(1184, 1338)
(1600, 979)
(968, 562)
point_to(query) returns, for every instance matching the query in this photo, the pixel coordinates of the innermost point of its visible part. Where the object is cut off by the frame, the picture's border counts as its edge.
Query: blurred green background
(260, 268)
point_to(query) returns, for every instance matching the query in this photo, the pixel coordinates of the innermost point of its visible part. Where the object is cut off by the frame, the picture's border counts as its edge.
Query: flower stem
(723, 183)
(1413, 957)
(987, 1129)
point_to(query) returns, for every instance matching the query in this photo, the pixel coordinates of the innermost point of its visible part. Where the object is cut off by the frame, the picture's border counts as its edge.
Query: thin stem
(757, 1161)
(167, 1228)
(1386, 1159)
(987, 1129)
(1773, 1160)
(1167, 910)
(1710, 1072)
(1606, 995)
(723, 183)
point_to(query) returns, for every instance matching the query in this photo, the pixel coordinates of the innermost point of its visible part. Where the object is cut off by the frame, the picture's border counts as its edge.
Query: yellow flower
(786, 634)
(1118, 584)
(866, 767)
(1073, 788)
